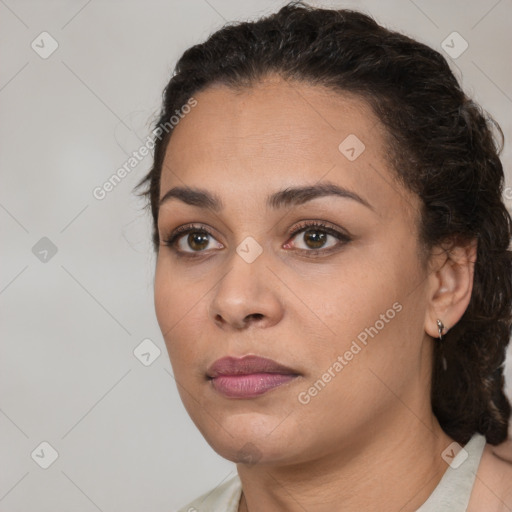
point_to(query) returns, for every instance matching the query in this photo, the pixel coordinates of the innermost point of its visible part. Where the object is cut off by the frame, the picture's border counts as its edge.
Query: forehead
(274, 134)
(269, 117)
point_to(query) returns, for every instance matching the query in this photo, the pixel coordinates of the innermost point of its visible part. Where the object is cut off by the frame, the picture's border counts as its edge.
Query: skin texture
(368, 440)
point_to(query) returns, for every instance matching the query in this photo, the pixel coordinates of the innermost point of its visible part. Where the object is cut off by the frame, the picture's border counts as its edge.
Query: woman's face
(342, 306)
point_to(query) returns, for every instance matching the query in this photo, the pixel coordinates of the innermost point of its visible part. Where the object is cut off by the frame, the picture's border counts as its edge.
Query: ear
(451, 271)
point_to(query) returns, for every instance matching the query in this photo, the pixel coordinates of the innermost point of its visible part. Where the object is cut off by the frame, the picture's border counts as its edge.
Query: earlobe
(451, 283)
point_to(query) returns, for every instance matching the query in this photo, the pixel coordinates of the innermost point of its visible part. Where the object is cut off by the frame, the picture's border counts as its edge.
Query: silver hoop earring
(440, 328)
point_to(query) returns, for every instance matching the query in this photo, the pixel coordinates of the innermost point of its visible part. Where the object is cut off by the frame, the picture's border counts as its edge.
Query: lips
(247, 365)
(249, 376)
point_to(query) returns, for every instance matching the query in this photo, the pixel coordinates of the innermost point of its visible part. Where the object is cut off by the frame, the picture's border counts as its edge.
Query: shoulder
(492, 490)
(223, 498)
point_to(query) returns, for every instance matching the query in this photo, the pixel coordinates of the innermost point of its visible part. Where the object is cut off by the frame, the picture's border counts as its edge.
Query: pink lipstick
(249, 376)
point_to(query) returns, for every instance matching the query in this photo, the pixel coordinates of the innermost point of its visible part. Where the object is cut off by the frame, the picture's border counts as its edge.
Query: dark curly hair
(441, 145)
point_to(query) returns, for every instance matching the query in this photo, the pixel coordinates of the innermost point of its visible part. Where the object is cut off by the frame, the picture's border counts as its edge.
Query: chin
(250, 438)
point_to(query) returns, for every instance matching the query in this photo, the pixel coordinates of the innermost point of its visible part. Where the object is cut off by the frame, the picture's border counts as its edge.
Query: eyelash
(303, 227)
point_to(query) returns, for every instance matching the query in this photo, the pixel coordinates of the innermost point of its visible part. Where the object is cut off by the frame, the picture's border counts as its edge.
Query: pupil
(200, 238)
(317, 239)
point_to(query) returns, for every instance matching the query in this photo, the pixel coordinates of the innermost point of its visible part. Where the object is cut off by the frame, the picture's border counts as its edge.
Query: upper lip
(246, 365)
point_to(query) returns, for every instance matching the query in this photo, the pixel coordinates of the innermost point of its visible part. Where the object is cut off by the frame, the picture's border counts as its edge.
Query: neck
(378, 469)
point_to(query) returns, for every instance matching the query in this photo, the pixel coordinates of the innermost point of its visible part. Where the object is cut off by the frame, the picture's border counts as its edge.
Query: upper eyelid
(301, 226)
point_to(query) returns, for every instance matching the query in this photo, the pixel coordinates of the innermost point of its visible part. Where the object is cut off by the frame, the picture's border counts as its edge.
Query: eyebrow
(201, 198)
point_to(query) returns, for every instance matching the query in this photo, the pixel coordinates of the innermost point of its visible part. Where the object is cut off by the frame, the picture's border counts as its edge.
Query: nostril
(256, 316)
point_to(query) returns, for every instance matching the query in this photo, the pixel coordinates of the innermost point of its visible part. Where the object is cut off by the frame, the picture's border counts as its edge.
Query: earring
(440, 328)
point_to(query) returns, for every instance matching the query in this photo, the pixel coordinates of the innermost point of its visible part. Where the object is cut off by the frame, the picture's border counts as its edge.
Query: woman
(333, 278)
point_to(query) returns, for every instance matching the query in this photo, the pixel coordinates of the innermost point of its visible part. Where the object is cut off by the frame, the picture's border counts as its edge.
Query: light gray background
(69, 325)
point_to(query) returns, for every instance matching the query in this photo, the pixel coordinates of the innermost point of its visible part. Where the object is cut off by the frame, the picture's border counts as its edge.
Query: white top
(451, 494)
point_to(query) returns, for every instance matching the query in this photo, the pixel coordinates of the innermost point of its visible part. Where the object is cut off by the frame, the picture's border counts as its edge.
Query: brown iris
(316, 237)
(197, 240)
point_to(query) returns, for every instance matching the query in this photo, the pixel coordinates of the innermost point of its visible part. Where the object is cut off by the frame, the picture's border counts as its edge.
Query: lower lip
(249, 386)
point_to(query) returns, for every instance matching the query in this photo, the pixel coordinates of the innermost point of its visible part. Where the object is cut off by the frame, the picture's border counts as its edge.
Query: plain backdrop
(76, 278)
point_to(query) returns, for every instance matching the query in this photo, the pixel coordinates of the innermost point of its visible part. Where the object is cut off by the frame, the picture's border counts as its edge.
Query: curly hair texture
(441, 145)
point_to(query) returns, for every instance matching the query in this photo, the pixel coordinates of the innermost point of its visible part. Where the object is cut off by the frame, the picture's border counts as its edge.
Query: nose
(246, 295)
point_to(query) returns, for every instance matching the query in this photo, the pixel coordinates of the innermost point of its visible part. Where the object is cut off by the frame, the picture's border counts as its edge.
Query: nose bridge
(246, 288)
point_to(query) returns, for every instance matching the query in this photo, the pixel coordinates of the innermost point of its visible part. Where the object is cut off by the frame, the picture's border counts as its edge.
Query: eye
(315, 236)
(198, 239)
(192, 240)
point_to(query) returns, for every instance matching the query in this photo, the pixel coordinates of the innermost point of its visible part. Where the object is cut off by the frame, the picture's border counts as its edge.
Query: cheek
(356, 296)
(180, 307)
(171, 306)
(164, 295)
(366, 304)
(175, 297)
